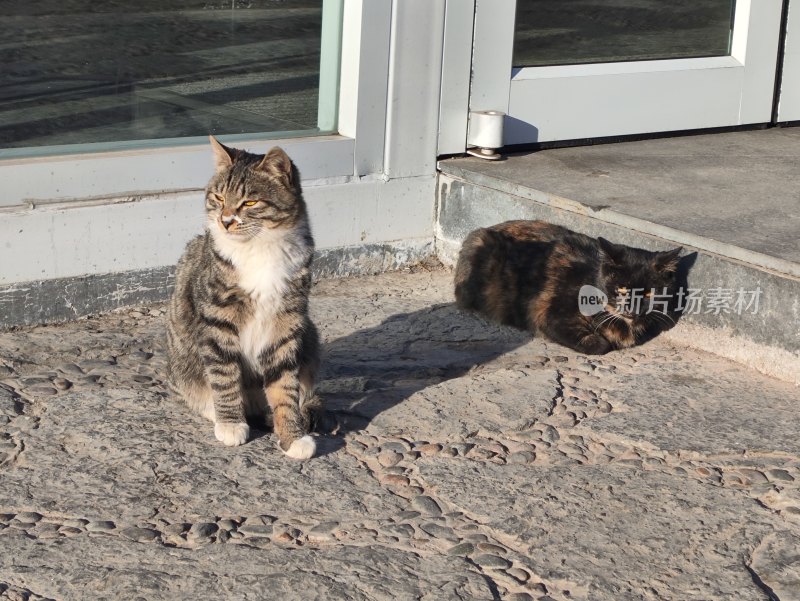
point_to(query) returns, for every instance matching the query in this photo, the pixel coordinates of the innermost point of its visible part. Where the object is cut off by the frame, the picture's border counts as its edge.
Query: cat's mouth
(233, 231)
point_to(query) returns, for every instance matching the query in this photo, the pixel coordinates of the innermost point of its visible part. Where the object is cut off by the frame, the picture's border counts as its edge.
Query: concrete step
(732, 198)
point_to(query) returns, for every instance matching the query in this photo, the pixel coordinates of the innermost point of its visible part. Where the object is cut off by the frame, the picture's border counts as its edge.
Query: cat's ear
(668, 260)
(223, 156)
(278, 164)
(614, 253)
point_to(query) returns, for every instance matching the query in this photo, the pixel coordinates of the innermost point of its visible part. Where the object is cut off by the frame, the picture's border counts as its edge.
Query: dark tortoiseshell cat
(529, 274)
(240, 340)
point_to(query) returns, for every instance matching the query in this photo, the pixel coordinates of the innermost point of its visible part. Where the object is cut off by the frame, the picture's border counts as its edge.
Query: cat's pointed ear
(223, 156)
(668, 260)
(614, 253)
(278, 164)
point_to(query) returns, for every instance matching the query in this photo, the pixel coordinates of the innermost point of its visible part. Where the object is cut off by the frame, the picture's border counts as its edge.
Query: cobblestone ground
(471, 462)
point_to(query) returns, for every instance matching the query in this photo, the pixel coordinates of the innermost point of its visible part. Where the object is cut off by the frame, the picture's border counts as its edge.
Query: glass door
(574, 69)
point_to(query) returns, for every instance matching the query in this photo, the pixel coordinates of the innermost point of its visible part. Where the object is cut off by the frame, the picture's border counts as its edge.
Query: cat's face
(251, 194)
(639, 284)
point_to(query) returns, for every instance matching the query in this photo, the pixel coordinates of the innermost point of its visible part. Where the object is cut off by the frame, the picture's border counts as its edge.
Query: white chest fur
(265, 265)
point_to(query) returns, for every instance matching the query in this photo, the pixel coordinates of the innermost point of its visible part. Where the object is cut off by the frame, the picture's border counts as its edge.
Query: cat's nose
(227, 221)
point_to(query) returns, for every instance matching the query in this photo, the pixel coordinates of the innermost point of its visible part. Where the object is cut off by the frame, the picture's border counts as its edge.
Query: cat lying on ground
(585, 293)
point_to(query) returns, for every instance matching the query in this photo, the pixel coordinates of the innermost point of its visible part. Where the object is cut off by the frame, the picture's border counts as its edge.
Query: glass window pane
(102, 71)
(564, 32)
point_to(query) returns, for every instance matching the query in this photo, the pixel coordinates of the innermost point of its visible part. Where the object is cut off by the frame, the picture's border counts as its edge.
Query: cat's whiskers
(602, 316)
(620, 317)
(619, 314)
(610, 317)
(660, 315)
(242, 233)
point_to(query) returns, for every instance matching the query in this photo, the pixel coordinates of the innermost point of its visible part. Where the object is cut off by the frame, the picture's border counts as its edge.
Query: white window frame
(142, 168)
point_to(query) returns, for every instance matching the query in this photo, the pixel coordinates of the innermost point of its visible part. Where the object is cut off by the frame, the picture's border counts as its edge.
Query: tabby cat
(239, 337)
(530, 275)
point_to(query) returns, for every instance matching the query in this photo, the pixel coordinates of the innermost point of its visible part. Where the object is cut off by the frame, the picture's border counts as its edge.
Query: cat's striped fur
(240, 340)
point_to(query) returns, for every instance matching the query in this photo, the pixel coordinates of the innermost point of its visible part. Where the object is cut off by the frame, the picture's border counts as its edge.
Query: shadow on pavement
(374, 369)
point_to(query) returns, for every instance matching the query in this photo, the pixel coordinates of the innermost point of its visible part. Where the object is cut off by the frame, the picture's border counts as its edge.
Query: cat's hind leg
(312, 407)
(188, 382)
(200, 398)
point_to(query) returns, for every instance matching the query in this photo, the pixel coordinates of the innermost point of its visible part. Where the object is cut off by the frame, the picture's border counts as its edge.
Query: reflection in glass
(564, 32)
(87, 71)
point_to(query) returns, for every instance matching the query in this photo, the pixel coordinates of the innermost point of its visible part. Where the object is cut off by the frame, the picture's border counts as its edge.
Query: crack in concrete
(761, 584)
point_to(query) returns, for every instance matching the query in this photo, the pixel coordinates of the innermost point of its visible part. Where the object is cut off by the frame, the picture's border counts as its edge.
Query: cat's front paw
(232, 434)
(594, 344)
(302, 448)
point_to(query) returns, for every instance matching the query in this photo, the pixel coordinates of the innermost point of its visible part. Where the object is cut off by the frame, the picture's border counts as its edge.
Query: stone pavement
(471, 462)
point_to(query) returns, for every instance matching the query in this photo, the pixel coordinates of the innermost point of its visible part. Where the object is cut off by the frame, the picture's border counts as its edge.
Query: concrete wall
(66, 260)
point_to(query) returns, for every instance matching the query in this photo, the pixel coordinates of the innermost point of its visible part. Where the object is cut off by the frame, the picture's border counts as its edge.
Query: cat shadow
(374, 369)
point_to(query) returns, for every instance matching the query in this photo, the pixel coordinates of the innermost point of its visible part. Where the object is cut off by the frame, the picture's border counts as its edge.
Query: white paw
(302, 448)
(232, 435)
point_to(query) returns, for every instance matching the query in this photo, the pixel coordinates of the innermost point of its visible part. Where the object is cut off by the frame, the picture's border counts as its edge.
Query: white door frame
(789, 101)
(610, 99)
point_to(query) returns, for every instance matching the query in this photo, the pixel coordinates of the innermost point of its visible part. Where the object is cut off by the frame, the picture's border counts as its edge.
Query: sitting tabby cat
(529, 274)
(240, 339)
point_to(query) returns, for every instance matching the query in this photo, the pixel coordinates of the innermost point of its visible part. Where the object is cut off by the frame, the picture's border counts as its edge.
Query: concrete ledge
(768, 341)
(730, 194)
(769, 360)
(65, 299)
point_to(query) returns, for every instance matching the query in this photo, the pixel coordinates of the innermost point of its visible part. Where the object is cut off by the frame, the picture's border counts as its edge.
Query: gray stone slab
(609, 534)
(470, 461)
(713, 411)
(776, 566)
(108, 567)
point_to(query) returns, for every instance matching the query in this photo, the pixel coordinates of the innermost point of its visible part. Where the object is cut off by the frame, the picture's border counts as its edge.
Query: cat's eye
(250, 203)
(218, 198)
